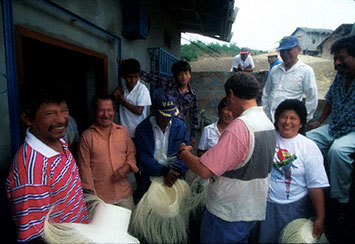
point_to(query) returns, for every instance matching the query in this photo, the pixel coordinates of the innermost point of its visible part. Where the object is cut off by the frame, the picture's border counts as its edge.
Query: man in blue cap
(157, 139)
(290, 80)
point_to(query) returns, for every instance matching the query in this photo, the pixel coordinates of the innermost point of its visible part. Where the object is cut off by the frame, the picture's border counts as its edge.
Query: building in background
(310, 38)
(324, 46)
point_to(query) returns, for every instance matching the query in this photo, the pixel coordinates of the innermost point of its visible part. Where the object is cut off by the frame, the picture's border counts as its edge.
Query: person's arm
(200, 152)
(193, 162)
(311, 91)
(325, 113)
(266, 95)
(317, 198)
(249, 68)
(31, 224)
(119, 95)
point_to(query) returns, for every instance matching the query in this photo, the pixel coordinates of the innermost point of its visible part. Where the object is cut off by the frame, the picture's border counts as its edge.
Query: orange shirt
(99, 156)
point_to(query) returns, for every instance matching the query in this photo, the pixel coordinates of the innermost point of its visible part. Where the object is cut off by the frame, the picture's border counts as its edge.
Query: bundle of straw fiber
(162, 215)
(108, 224)
(300, 231)
(197, 200)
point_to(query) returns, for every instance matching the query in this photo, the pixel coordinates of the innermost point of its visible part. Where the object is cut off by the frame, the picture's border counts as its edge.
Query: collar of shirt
(298, 63)
(39, 146)
(161, 141)
(125, 89)
(113, 128)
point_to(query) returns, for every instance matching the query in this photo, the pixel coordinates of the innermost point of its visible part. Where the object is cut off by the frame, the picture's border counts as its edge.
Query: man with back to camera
(243, 61)
(239, 166)
(290, 80)
(43, 176)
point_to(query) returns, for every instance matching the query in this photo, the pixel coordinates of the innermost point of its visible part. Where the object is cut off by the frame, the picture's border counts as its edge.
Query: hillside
(323, 68)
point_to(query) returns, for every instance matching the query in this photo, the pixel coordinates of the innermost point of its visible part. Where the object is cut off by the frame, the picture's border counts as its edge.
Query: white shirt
(237, 60)
(209, 136)
(139, 96)
(290, 84)
(161, 141)
(307, 170)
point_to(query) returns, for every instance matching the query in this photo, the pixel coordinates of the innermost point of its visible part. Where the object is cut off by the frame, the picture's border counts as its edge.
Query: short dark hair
(222, 103)
(96, 98)
(180, 66)
(130, 66)
(298, 107)
(34, 93)
(347, 42)
(244, 85)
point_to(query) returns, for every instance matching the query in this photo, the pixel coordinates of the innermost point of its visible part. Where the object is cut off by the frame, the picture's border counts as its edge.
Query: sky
(260, 24)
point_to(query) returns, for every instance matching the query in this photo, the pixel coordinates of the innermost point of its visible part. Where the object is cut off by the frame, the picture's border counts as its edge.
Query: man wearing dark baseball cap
(290, 80)
(157, 140)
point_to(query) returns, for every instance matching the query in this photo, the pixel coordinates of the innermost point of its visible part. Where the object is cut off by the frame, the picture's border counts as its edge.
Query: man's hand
(120, 173)
(183, 147)
(118, 94)
(317, 227)
(171, 177)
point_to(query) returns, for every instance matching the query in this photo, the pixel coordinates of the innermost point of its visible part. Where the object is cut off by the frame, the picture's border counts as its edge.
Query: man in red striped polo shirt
(43, 177)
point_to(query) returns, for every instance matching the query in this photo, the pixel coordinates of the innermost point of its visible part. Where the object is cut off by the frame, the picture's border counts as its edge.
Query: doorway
(82, 71)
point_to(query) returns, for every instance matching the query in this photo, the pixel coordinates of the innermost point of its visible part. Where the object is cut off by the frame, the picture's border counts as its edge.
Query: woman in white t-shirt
(211, 133)
(297, 174)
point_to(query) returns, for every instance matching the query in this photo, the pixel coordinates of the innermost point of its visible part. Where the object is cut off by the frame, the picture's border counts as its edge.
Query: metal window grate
(161, 64)
(162, 61)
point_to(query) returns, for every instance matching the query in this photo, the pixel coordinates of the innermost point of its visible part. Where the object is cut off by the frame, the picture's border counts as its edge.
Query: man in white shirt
(290, 80)
(133, 96)
(243, 61)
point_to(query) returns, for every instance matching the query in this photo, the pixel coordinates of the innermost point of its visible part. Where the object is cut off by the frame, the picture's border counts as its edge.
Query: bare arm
(325, 113)
(249, 68)
(317, 198)
(119, 95)
(194, 162)
(200, 152)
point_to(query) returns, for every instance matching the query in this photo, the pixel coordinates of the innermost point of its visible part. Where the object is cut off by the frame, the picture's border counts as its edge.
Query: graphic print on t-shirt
(283, 162)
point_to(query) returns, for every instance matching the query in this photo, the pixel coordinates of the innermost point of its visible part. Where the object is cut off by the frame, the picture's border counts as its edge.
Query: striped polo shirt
(42, 180)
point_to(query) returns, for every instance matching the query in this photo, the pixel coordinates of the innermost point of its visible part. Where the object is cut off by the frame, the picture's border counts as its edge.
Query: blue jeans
(217, 230)
(337, 160)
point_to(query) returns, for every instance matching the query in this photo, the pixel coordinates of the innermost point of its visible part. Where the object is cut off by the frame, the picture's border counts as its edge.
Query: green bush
(191, 52)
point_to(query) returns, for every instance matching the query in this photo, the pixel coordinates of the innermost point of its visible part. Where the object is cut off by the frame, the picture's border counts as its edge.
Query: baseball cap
(288, 42)
(244, 50)
(165, 104)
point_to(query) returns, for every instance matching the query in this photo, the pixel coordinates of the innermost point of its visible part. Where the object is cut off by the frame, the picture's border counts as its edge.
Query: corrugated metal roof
(313, 30)
(212, 18)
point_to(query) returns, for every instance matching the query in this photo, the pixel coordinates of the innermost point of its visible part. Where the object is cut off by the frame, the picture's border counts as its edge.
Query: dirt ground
(323, 68)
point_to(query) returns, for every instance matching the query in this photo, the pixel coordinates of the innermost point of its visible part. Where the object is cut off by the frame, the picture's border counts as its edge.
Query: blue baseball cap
(288, 42)
(165, 105)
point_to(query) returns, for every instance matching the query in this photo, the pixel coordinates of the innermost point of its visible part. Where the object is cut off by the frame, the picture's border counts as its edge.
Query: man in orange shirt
(106, 155)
